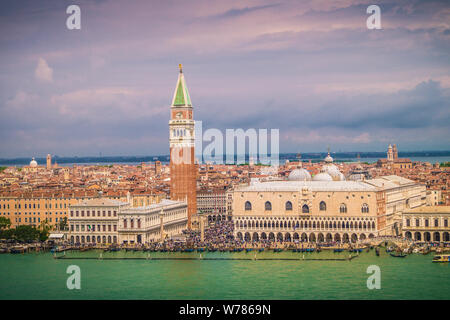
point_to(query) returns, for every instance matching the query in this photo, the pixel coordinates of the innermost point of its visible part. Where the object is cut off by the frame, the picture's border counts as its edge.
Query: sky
(311, 69)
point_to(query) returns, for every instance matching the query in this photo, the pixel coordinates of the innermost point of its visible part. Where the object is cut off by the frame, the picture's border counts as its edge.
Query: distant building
(213, 204)
(392, 160)
(49, 162)
(154, 222)
(358, 174)
(427, 224)
(109, 221)
(158, 167)
(323, 210)
(94, 221)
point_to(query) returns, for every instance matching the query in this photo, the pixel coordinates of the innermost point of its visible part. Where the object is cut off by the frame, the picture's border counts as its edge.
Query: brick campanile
(183, 170)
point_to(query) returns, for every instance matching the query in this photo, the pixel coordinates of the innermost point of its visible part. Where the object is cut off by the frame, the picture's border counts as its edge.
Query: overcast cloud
(310, 68)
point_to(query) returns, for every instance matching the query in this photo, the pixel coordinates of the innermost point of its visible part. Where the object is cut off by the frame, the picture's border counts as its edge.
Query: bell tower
(183, 170)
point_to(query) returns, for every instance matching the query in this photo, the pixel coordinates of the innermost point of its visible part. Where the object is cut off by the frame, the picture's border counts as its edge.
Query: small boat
(260, 249)
(277, 250)
(442, 258)
(200, 249)
(338, 250)
(248, 249)
(398, 255)
(17, 250)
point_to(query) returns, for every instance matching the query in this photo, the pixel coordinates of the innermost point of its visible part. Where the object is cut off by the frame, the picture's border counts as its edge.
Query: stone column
(161, 218)
(202, 228)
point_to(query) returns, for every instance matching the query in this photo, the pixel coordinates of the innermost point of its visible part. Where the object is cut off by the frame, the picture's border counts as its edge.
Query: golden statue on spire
(181, 68)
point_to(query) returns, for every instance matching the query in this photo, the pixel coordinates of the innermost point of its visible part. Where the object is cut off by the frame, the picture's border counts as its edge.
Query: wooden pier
(101, 257)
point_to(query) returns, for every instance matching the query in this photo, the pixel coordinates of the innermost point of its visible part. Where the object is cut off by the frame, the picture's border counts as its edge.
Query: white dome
(333, 171)
(33, 163)
(299, 175)
(323, 176)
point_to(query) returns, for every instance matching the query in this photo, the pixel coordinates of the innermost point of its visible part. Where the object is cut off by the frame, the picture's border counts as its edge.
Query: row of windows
(426, 223)
(125, 223)
(34, 213)
(34, 219)
(307, 224)
(99, 239)
(92, 228)
(38, 206)
(88, 213)
(305, 208)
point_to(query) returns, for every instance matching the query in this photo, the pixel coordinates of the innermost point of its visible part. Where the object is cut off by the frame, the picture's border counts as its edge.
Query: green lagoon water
(39, 276)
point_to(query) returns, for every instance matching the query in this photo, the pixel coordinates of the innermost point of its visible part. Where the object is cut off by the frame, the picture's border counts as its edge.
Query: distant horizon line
(313, 153)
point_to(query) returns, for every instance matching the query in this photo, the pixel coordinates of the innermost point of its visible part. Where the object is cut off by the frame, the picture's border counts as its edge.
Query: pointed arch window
(365, 208)
(248, 206)
(305, 209)
(288, 206)
(322, 206)
(268, 206)
(343, 208)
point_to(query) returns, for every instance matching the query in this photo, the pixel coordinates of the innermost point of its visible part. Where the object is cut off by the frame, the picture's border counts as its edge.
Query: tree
(5, 223)
(44, 230)
(63, 224)
(26, 233)
(7, 234)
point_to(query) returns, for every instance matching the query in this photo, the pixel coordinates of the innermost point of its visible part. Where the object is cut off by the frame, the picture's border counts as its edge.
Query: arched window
(288, 206)
(365, 208)
(305, 209)
(248, 206)
(322, 206)
(343, 208)
(268, 206)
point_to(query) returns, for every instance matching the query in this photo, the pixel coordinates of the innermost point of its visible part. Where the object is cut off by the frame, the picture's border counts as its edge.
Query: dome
(299, 175)
(323, 176)
(335, 174)
(33, 163)
(333, 171)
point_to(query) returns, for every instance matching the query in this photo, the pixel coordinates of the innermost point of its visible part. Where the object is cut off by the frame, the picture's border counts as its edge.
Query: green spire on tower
(181, 97)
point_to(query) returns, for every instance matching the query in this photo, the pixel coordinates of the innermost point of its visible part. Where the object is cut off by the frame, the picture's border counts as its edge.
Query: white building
(427, 223)
(109, 221)
(94, 221)
(153, 222)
